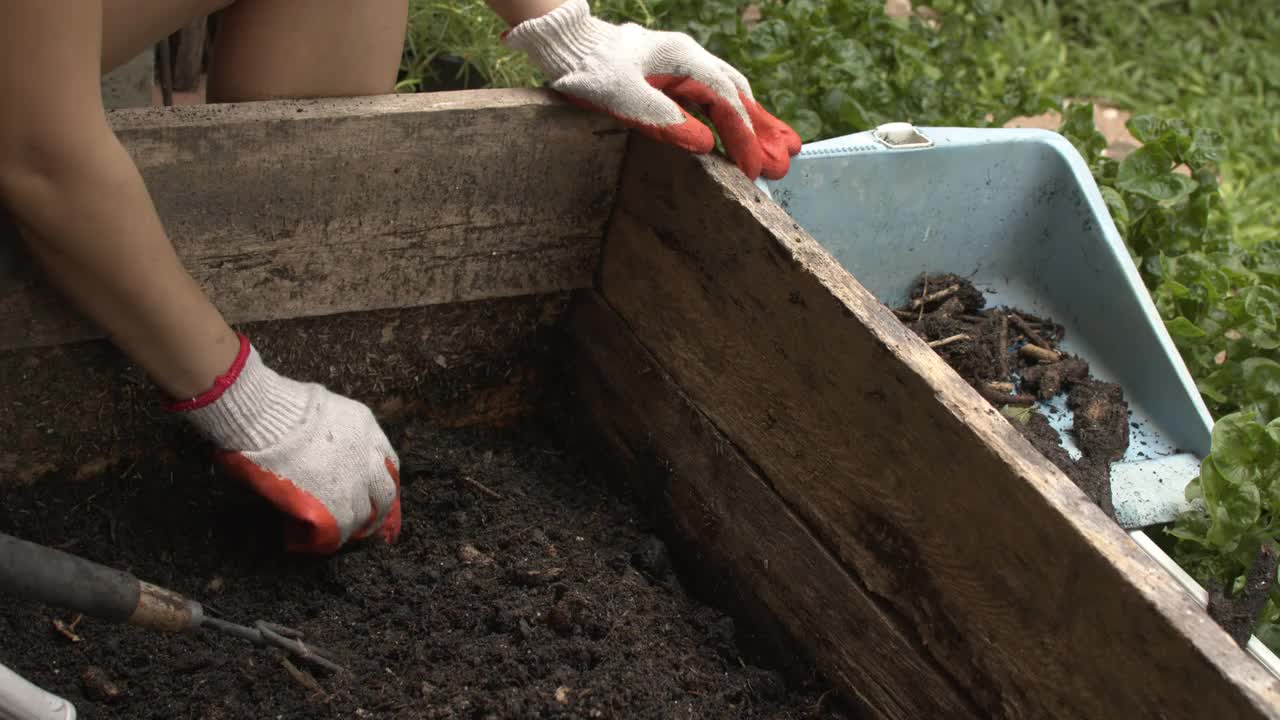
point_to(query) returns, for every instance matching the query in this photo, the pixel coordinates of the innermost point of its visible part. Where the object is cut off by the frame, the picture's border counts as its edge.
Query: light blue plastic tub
(1017, 212)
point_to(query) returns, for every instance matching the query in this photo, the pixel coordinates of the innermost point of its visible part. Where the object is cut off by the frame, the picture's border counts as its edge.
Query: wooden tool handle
(56, 578)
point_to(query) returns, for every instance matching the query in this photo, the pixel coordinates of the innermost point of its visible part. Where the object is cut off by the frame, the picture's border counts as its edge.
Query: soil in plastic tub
(521, 588)
(1012, 358)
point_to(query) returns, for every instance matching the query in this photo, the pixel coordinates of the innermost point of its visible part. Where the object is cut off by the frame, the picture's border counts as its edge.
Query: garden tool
(57, 578)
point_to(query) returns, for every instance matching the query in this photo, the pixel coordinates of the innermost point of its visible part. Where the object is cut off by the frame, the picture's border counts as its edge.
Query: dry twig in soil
(948, 340)
(1039, 354)
(942, 294)
(995, 396)
(482, 487)
(67, 630)
(1002, 343)
(303, 677)
(1030, 332)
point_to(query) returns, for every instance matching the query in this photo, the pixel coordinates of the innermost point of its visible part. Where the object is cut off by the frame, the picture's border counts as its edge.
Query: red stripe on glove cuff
(220, 383)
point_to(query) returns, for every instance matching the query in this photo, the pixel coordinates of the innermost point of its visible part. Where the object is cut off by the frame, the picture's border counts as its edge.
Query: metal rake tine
(282, 630)
(253, 635)
(295, 646)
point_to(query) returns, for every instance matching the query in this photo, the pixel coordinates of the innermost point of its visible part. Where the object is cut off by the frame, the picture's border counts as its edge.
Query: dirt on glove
(520, 588)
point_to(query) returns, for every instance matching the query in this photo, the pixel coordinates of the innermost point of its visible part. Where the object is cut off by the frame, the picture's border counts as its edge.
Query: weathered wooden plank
(70, 410)
(759, 552)
(1038, 604)
(291, 209)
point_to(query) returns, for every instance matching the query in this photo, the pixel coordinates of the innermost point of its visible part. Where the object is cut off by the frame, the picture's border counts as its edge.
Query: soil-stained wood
(290, 209)
(989, 557)
(742, 537)
(70, 411)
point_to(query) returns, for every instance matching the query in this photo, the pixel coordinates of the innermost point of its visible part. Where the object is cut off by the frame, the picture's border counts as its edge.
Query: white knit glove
(624, 71)
(319, 457)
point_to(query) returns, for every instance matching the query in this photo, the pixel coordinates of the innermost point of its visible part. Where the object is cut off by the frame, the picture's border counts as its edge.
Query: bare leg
(130, 27)
(307, 48)
(80, 202)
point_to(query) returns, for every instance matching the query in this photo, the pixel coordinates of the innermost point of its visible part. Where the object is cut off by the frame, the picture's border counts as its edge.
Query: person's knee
(39, 165)
(133, 27)
(28, 163)
(267, 50)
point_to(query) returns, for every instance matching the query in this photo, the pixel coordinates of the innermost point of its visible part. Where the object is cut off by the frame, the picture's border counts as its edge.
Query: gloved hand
(320, 458)
(624, 70)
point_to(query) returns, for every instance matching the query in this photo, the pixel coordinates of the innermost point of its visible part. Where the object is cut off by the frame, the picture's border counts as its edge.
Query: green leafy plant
(843, 66)
(466, 30)
(1238, 484)
(1213, 62)
(828, 68)
(1220, 303)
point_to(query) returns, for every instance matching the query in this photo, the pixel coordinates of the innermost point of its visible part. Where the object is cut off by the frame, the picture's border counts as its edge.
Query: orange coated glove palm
(318, 457)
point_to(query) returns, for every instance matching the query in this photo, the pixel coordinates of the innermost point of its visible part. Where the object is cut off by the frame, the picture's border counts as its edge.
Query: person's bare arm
(81, 204)
(319, 457)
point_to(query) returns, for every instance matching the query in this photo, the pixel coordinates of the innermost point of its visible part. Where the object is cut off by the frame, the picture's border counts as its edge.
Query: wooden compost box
(473, 258)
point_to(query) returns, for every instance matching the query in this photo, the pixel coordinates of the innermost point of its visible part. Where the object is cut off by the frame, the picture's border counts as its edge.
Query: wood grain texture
(743, 537)
(70, 411)
(1039, 605)
(290, 209)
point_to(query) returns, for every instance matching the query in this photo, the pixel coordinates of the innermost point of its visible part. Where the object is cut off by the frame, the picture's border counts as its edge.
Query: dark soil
(1238, 612)
(1011, 358)
(520, 588)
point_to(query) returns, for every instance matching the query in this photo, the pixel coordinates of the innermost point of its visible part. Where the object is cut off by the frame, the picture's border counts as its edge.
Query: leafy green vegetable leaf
(1206, 147)
(1117, 207)
(1233, 501)
(807, 124)
(1145, 172)
(1235, 439)
(1180, 327)
(1262, 383)
(1146, 128)
(1261, 307)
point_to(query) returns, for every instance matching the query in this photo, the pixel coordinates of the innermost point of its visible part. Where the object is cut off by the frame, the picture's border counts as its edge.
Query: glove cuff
(558, 41)
(248, 408)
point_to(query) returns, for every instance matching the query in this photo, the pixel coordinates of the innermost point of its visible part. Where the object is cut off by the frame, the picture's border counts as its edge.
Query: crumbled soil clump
(1049, 380)
(1238, 612)
(521, 588)
(1012, 358)
(1101, 418)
